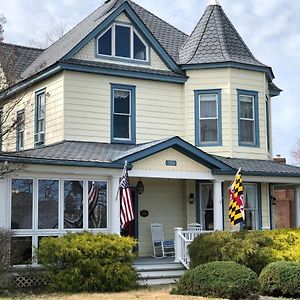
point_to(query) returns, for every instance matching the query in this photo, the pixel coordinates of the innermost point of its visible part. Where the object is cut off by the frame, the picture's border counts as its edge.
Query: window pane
(208, 130)
(122, 41)
(250, 203)
(139, 48)
(73, 198)
(121, 127)
(104, 43)
(21, 203)
(41, 106)
(207, 213)
(247, 131)
(48, 204)
(21, 250)
(246, 107)
(97, 199)
(121, 102)
(208, 109)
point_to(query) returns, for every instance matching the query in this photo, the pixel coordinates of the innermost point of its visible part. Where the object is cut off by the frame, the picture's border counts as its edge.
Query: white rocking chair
(161, 247)
(194, 227)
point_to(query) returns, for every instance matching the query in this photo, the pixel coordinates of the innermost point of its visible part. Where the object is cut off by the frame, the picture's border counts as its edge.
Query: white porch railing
(182, 239)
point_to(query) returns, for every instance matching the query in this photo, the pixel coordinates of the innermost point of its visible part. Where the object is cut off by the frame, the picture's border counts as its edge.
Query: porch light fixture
(139, 187)
(191, 198)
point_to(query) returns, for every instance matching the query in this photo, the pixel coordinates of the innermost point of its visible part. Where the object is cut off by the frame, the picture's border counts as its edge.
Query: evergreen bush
(88, 262)
(254, 249)
(281, 279)
(219, 279)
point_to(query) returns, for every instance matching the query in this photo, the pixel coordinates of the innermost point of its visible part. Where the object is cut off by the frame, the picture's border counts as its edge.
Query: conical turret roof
(215, 40)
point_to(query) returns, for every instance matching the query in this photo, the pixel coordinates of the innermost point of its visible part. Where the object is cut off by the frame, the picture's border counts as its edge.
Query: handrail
(183, 238)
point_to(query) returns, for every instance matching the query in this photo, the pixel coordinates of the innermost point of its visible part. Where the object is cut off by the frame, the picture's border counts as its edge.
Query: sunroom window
(122, 41)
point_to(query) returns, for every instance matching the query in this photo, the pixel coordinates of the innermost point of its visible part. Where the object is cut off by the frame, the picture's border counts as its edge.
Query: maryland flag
(236, 207)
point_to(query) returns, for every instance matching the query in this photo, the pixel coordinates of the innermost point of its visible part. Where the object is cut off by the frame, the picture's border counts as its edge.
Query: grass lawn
(158, 293)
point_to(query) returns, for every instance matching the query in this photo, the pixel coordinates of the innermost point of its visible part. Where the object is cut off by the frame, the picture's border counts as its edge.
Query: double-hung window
(208, 118)
(252, 206)
(248, 118)
(123, 114)
(20, 127)
(40, 113)
(122, 41)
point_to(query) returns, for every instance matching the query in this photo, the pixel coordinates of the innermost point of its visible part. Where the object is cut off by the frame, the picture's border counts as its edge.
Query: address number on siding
(171, 163)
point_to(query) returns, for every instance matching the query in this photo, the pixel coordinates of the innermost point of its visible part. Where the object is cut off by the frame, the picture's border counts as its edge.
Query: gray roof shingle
(170, 38)
(215, 40)
(14, 59)
(260, 167)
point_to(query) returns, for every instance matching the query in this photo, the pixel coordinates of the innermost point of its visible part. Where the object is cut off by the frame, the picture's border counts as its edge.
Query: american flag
(127, 214)
(93, 197)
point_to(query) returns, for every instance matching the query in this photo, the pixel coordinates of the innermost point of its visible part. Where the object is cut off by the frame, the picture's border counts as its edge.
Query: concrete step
(161, 274)
(157, 281)
(170, 266)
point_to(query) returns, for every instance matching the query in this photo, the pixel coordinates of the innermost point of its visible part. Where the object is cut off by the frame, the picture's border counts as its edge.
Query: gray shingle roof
(215, 40)
(113, 66)
(261, 167)
(169, 37)
(14, 59)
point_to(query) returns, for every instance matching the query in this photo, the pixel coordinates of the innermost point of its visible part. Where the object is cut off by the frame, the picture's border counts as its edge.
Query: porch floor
(153, 261)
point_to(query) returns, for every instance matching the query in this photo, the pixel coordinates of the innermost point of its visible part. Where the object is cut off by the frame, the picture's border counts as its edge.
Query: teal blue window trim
(132, 125)
(254, 94)
(197, 193)
(113, 56)
(39, 135)
(197, 94)
(20, 130)
(259, 206)
(268, 124)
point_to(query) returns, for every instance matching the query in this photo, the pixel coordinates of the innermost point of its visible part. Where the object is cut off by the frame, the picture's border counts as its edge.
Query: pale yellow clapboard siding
(54, 113)
(158, 162)
(165, 201)
(228, 80)
(88, 53)
(151, 109)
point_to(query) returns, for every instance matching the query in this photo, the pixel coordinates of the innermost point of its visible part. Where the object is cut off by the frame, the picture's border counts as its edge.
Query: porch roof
(105, 155)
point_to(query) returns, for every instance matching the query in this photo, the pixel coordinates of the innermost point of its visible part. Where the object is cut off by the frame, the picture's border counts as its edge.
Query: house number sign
(171, 163)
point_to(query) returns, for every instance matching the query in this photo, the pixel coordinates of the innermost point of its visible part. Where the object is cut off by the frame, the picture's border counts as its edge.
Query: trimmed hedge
(219, 279)
(88, 262)
(254, 249)
(281, 279)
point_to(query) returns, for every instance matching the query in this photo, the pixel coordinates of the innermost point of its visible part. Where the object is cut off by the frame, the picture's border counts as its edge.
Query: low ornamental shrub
(281, 278)
(254, 249)
(88, 262)
(218, 279)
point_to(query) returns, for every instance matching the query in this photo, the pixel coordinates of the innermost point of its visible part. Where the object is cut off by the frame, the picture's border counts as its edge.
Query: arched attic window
(122, 41)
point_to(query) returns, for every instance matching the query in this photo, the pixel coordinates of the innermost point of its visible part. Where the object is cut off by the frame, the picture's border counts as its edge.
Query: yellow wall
(228, 80)
(26, 100)
(88, 100)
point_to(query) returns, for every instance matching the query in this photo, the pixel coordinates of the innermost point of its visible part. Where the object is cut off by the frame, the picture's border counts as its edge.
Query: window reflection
(21, 250)
(73, 198)
(21, 203)
(48, 204)
(97, 203)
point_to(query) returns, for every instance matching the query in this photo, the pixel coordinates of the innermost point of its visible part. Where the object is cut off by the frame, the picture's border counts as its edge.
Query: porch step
(156, 273)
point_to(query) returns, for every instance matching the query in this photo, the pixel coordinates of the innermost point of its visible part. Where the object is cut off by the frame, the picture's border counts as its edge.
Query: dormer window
(122, 41)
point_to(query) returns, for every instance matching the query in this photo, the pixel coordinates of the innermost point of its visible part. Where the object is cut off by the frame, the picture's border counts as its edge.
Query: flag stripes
(127, 214)
(236, 206)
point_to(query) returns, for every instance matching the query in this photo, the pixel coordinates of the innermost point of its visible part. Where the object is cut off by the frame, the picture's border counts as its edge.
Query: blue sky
(270, 28)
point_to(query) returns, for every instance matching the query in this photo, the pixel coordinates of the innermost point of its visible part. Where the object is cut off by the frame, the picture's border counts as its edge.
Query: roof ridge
(149, 12)
(22, 46)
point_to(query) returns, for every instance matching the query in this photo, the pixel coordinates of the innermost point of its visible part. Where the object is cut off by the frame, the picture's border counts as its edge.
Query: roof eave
(254, 173)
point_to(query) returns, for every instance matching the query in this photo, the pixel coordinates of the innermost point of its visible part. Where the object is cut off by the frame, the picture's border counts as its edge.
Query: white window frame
(34, 232)
(203, 210)
(256, 209)
(113, 44)
(20, 130)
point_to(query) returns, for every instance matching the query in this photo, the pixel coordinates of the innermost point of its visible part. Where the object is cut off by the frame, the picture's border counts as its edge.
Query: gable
(160, 161)
(89, 51)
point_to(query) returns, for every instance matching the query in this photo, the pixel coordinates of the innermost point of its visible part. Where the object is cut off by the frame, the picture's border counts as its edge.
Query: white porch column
(218, 206)
(297, 206)
(115, 205)
(178, 253)
(4, 203)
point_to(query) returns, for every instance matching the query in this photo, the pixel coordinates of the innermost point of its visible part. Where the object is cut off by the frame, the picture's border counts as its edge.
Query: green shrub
(88, 262)
(281, 279)
(218, 279)
(254, 249)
